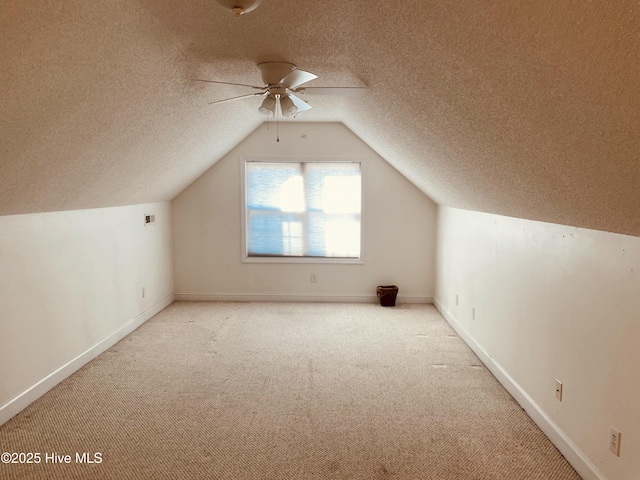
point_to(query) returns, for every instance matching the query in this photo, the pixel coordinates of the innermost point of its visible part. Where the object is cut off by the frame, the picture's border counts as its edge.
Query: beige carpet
(284, 391)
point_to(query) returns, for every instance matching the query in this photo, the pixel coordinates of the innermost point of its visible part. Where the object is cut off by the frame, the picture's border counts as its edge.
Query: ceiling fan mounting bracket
(274, 90)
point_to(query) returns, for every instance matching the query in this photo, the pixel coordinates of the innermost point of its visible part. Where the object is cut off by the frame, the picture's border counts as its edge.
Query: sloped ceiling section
(527, 109)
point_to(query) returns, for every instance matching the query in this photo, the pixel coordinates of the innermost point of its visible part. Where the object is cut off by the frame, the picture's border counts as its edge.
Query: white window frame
(245, 258)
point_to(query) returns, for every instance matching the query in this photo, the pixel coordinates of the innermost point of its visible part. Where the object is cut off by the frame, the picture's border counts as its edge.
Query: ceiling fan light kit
(240, 7)
(287, 107)
(268, 106)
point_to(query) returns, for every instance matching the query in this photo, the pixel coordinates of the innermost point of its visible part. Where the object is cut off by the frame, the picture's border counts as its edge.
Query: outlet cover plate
(614, 442)
(559, 390)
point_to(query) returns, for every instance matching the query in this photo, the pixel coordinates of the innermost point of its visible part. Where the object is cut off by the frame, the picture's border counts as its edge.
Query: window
(303, 209)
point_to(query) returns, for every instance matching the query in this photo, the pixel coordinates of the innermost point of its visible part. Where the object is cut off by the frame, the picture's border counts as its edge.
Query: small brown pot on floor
(387, 295)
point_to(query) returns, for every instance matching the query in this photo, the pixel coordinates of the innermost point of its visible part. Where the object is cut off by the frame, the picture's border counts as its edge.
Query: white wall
(70, 286)
(552, 302)
(398, 220)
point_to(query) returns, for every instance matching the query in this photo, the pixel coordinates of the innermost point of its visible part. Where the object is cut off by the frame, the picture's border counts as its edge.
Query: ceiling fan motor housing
(273, 72)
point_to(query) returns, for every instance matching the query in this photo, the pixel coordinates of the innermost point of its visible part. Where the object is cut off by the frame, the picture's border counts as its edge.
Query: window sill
(337, 261)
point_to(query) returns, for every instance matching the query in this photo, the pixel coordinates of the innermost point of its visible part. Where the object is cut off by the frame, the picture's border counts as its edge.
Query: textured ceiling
(527, 109)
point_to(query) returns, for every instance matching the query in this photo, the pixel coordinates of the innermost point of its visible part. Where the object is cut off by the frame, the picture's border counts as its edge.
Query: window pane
(265, 233)
(275, 186)
(333, 185)
(342, 237)
(341, 194)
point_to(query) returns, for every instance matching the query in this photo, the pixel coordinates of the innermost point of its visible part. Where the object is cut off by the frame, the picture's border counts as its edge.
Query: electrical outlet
(314, 278)
(559, 390)
(614, 441)
(144, 292)
(457, 300)
(473, 314)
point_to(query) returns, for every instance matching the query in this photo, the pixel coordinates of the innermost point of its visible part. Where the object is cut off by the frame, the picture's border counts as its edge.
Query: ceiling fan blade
(239, 97)
(300, 104)
(226, 83)
(341, 91)
(296, 78)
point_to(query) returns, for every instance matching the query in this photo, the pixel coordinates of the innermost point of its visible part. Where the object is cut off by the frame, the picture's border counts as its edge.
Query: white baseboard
(278, 297)
(26, 398)
(578, 460)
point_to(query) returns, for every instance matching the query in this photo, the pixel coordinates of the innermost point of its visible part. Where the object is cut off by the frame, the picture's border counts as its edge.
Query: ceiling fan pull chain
(277, 124)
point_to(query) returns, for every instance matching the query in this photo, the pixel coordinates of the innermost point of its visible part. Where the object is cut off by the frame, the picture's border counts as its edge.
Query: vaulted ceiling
(527, 109)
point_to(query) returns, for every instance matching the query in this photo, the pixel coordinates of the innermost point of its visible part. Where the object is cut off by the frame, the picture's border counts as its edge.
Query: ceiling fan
(282, 82)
